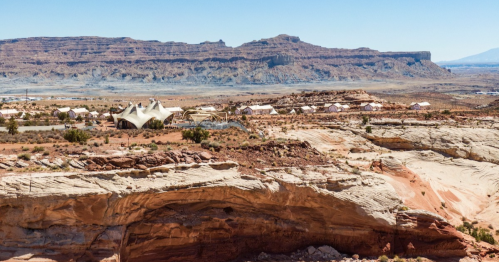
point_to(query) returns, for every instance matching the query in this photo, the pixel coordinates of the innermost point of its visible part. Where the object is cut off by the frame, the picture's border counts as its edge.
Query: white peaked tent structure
(292, 112)
(273, 112)
(157, 110)
(134, 117)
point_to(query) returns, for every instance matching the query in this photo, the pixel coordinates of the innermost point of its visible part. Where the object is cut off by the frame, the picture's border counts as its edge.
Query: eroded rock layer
(211, 212)
(282, 59)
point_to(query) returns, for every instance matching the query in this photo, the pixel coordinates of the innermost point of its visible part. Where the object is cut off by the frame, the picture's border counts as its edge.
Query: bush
(245, 144)
(46, 153)
(106, 140)
(383, 258)
(24, 156)
(79, 118)
(365, 120)
(83, 157)
(76, 135)
(38, 149)
(62, 116)
(427, 116)
(369, 129)
(12, 126)
(156, 124)
(197, 135)
(2, 120)
(446, 112)
(253, 136)
(153, 146)
(244, 118)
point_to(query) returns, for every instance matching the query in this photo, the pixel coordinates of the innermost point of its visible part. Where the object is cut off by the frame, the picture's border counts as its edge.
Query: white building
(104, 116)
(176, 111)
(207, 109)
(74, 113)
(8, 113)
(420, 106)
(61, 110)
(93, 114)
(336, 107)
(370, 106)
(307, 109)
(258, 110)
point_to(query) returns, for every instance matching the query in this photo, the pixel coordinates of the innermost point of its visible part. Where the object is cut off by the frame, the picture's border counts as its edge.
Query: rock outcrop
(282, 59)
(471, 143)
(210, 212)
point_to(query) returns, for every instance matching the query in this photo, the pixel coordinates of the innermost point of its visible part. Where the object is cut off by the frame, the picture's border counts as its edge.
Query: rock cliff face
(210, 212)
(282, 59)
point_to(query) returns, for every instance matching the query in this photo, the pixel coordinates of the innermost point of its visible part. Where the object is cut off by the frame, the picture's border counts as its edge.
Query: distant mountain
(488, 57)
(279, 60)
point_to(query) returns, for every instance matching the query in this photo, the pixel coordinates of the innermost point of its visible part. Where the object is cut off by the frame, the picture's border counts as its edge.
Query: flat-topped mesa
(210, 212)
(281, 59)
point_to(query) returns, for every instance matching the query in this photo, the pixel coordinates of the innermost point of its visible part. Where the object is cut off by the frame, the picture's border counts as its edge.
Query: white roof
(174, 109)
(337, 104)
(306, 108)
(345, 106)
(375, 105)
(106, 114)
(136, 117)
(94, 113)
(264, 107)
(327, 105)
(273, 112)
(314, 107)
(156, 110)
(292, 111)
(208, 108)
(79, 110)
(64, 109)
(8, 111)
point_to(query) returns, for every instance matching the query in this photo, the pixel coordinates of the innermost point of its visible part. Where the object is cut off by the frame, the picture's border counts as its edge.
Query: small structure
(207, 109)
(336, 107)
(104, 116)
(307, 109)
(292, 112)
(239, 110)
(176, 111)
(61, 110)
(273, 112)
(8, 113)
(93, 114)
(135, 117)
(370, 106)
(420, 106)
(258, 110)
(74, 113)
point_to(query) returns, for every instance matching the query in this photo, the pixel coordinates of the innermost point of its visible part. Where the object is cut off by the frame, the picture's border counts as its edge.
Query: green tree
(27, 116)
(79, 118)
(244, 118)
(369, 129)
(76, 135)
(12, 126)
(2, 120)
(156, 124)
(196, 135)
(62, 116)
(365, 120)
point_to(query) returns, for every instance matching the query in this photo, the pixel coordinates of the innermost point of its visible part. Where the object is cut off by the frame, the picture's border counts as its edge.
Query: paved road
(41, 128)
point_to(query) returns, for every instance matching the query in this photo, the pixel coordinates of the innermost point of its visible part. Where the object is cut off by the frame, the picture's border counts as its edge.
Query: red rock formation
(282, 59)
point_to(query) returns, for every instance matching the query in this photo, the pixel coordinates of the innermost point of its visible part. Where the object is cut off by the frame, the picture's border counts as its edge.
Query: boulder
(205, 156)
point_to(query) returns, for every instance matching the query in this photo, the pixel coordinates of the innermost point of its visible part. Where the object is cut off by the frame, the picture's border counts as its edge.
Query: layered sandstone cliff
(211, 212)
(282, 59)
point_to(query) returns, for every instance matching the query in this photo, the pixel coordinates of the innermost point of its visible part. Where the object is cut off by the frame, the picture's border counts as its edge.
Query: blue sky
(449, 29)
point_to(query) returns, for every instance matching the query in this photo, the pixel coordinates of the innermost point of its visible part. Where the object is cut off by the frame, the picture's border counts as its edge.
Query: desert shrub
(156, 125)
(83, 157)
(446, 112)
(2, 120)
(245, 144)
(153, 146)
(383, 258)
(427, 116)
(106, 140)
(79, 118)
(12, 126)
(46, 153)
(96, 144)
(369, 129)
(196, 135)
(38, 149)
(253, 136)
(24, 156)
(62, 116)
(365, 119)
(244, 118)
(76, 135)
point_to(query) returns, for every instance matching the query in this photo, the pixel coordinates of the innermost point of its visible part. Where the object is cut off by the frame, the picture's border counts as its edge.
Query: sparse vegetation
(76, 135)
